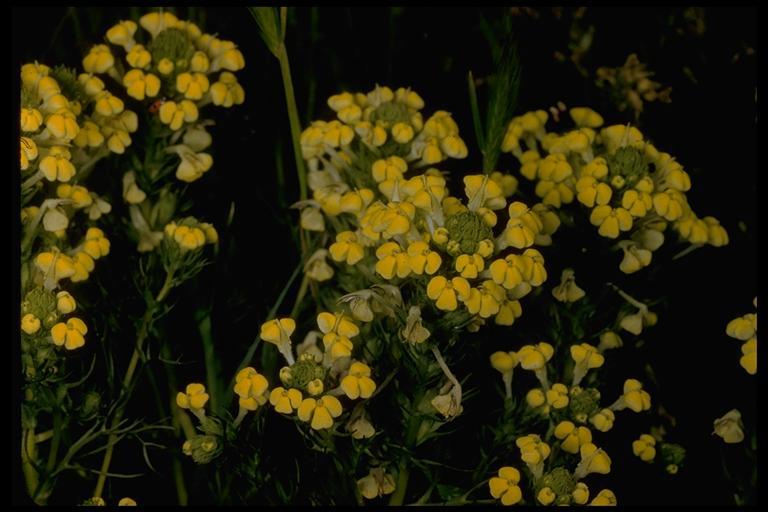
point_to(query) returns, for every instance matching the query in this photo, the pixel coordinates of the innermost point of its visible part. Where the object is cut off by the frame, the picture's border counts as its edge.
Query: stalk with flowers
(70, 122)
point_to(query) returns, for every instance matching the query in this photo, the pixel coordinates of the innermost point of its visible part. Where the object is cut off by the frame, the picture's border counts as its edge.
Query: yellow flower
(568, 290)
(107, 104)
(444, 292)
(89, 135)
(591, 192)
(534, 357)
(742, 328)
(63, 125)
(388, 169)
(635, 257)
(175, 115)
(285, 400)
(165, 66)
(557, 396)
(529, 164)
(65, 303)
(122, 33)
(82, 265)
(509, 310)
(126, 502)
(193, 398)
(376, 484)
(716, 234)
(619, 135)
(358, 382)
(482, 191)
(580, 494)
(536, 273)
(98, 60)
(634, 397)
(586, 358)
(315, 387)
(321, 411)
(505, 486)
(71, 334)
(388, 220)
(645, 448)
(748, 360)
(510, 271)
(523, 226)
(96, 244)
(278, 331)
(156, 22)
(608, 340)
(356, 201)
(637, 203)
(535, 398)
(730, 427)
(584, 116)
(31, 119)
(504, 361)
(572, 437)
(346, 248)
(192, 165)
(337, 332)
(670, 204)
(251, 387)
(604, 498)
(533, 450)
(199, 63)
(56, 165)
(593, 460)
(317, 267)
(392, 260)
(211, 235)
(30, 324)
(138, 85)
(423, 260)
(610, 220)
(360, 428)
(485, 300)
(138, 57)
(192, 85)
(230, 59)
(546, 496)
(506, 182)
(469, 265)
(55, 266)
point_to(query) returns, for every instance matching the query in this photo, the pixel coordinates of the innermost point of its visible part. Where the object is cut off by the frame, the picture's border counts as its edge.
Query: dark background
(710, 127)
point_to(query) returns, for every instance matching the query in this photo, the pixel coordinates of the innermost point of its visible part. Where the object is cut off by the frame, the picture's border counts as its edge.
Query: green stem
(293, 118)
(55, 443)
(28, 453)
(403, 469)
(141, 337)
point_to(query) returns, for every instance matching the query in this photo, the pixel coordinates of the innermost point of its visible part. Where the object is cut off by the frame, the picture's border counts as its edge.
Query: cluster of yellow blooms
(175, 70)
(628, 185)
(400, 225)
(630, 85)
(68, 123)
(311, 382)
(744, 329)
(572, 410)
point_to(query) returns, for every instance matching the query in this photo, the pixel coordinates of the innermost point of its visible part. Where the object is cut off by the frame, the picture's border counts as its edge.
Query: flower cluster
(387, 210)
(630, 85)
(633, 191)
(175, 70)
(572, 411)
(67, 126)
(744, 328)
